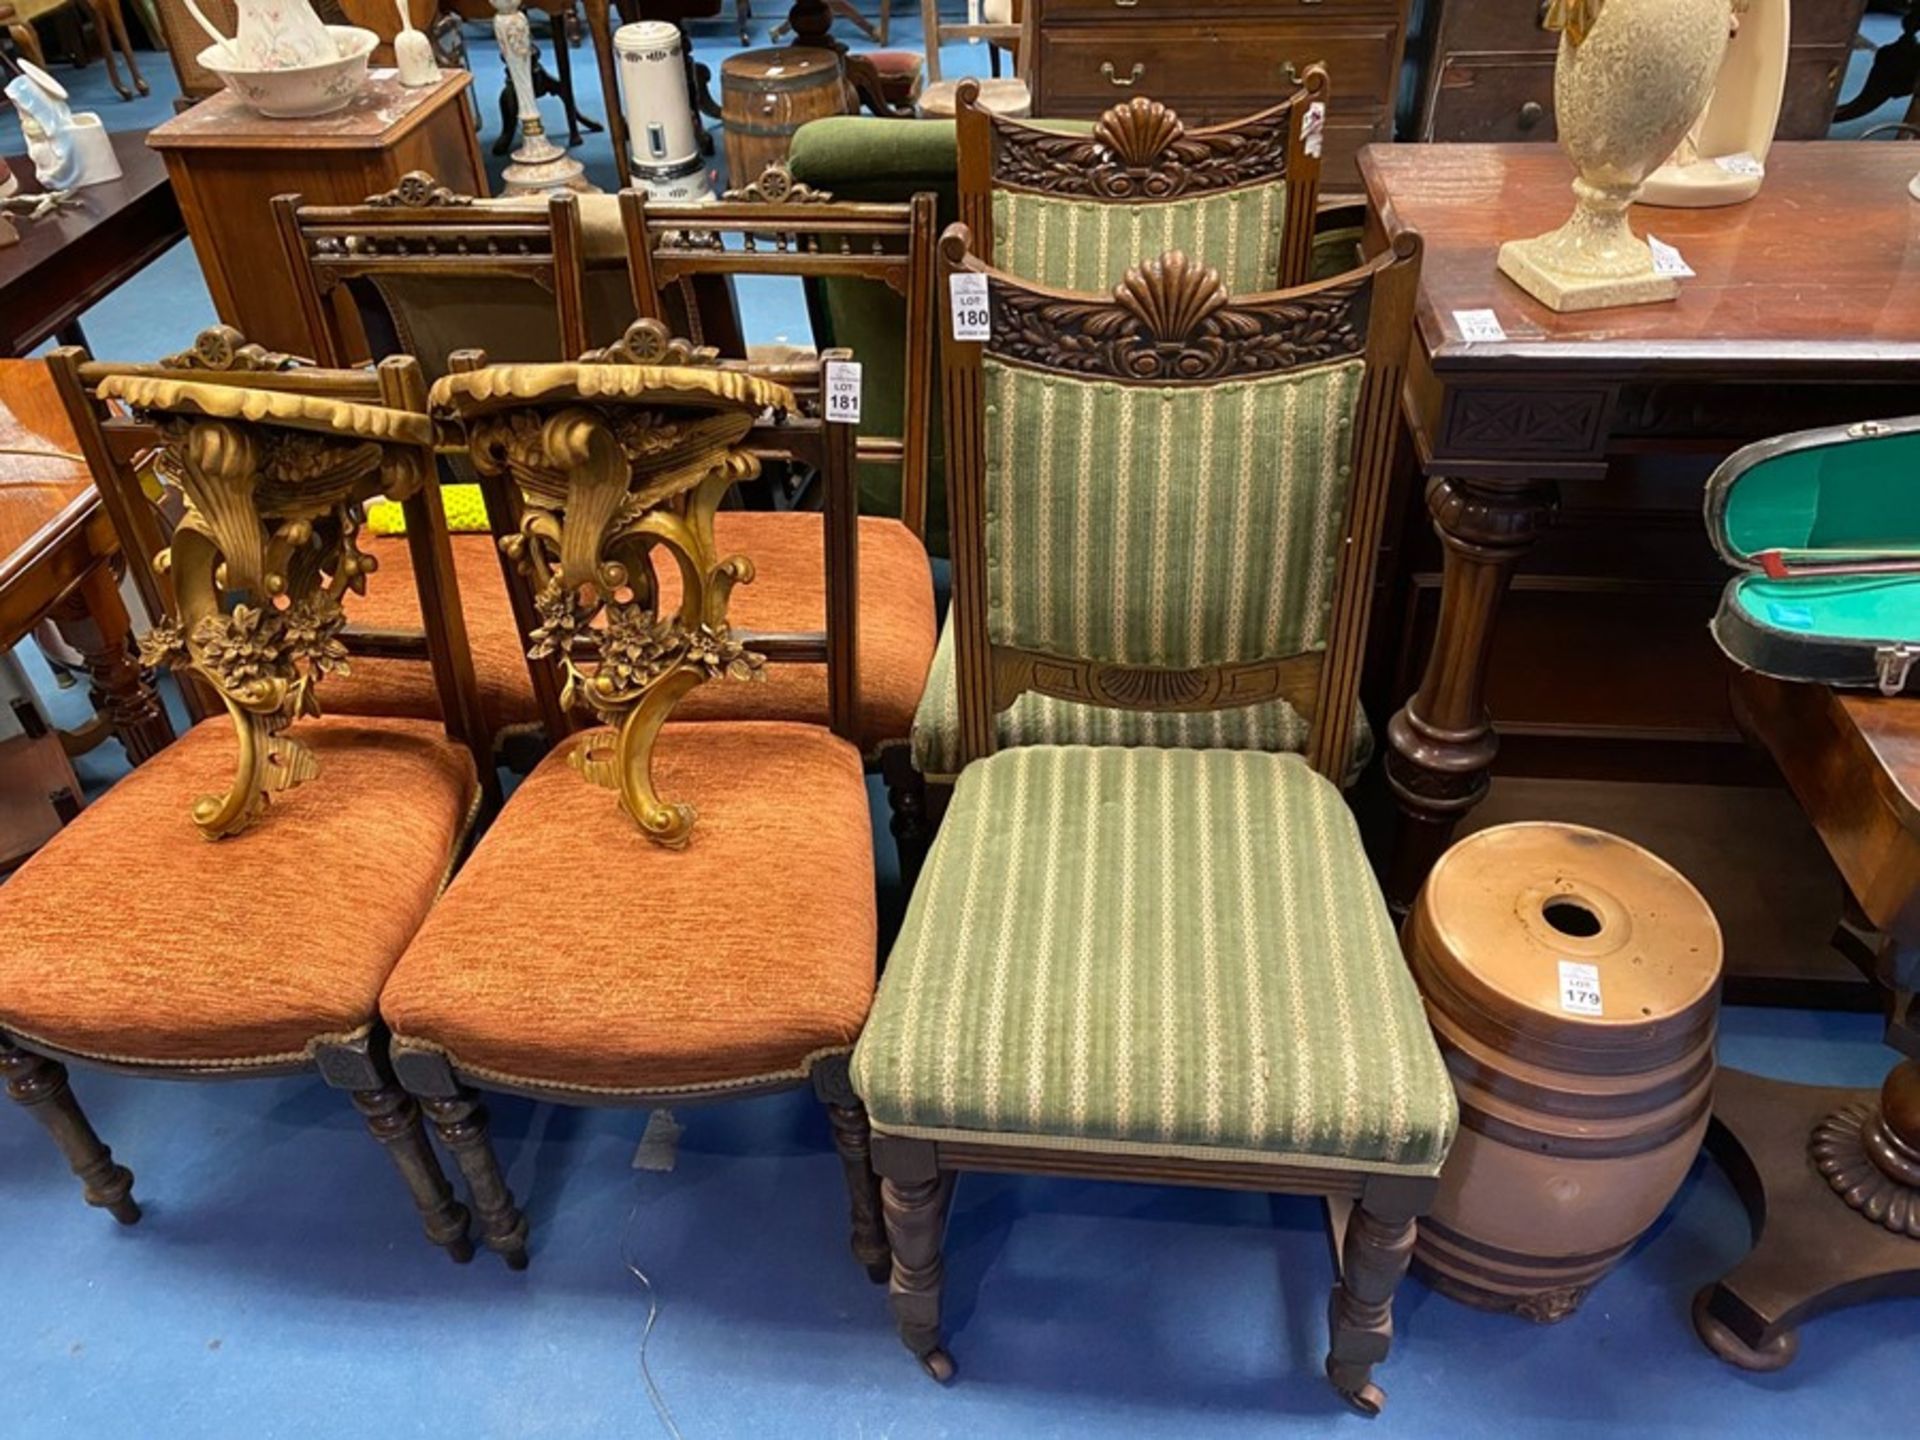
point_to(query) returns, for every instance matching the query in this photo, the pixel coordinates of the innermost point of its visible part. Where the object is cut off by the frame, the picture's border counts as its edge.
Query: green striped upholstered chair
(1077, 209)
(1155, 963)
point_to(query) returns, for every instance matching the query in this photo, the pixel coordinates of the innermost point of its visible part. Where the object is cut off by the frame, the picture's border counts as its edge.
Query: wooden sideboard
(1215, 60)
(227, 163)
(1487, 71)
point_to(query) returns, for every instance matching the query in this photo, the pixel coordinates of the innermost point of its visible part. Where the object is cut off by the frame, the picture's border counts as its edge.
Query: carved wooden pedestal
(1812, 1252)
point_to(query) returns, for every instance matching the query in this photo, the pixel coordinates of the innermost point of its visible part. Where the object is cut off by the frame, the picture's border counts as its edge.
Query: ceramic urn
(1630, 79)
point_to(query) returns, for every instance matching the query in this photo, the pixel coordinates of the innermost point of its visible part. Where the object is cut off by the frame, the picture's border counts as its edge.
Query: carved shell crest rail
(1140, 151)
(629, 451)
(266, 549)
(1171, 320)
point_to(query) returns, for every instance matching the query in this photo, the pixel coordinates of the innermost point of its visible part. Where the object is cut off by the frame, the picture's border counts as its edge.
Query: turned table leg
(94, 621)
(1441, 744)
(600, 33)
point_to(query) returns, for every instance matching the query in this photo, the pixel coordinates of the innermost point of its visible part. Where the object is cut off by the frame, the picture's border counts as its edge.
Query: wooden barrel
(1573, 981)
(766, 95)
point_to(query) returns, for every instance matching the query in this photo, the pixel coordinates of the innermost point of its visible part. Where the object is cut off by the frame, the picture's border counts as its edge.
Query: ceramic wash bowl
(300, 90)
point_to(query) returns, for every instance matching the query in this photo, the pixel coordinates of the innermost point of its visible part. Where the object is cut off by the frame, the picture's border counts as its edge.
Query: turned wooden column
(1441, 744)
(94, 621)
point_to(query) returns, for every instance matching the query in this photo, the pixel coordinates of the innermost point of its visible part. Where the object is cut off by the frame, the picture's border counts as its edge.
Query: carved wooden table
(1831, 1177)
(1803, 313)
(227, 163)
(57, 548)
(67, 261)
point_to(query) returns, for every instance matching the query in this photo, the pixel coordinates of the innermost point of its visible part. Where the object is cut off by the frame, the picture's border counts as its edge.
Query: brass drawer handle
(1125, 4)
(1106, 69)
(1289, 73)
(1531, 114)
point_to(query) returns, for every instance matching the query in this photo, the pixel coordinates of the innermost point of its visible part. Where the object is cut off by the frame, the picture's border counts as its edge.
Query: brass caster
(938, 1364)
(1369, 1399)
(1776, 1354)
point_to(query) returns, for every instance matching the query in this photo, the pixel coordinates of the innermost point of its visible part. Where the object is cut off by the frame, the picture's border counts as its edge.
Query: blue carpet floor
(279, 1286)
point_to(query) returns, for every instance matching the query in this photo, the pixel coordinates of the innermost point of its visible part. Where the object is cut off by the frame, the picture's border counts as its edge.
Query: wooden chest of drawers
(1215, 60)
(1488, 69)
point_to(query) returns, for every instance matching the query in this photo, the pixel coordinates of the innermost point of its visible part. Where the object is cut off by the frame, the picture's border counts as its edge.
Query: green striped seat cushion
(1036, 719)
(1176, 952)
(1089, 245)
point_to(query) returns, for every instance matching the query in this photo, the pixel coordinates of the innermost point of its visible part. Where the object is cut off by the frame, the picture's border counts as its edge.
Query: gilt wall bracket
(630, 450)
(274, 484)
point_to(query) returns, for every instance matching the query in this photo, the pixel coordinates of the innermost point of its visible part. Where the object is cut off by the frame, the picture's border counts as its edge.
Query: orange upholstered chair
(707, 930)
(268, 868)
(433, 272)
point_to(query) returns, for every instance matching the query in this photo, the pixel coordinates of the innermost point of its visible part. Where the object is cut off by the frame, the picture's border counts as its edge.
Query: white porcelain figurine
(413, 53)
(68, 151)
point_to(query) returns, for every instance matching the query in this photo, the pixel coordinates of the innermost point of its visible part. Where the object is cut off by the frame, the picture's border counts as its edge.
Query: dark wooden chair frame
(112, 442)
(1137, 153)
(786, 228)
(1366, 312)
(422, 228)
(444, 1088)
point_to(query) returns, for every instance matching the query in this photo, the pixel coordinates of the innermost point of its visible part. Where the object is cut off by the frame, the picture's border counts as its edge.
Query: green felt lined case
(1824, 526)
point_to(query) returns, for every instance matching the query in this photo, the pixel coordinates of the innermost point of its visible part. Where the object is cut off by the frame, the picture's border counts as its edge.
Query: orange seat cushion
(788, 593)
(572, 952)
(130, 937)
(378, 686)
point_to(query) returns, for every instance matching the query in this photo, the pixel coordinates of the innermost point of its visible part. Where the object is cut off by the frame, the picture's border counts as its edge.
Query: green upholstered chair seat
(1036, 719)
(1172, 952)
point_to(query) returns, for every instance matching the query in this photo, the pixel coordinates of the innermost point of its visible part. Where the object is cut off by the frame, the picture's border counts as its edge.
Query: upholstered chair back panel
(1089, 245)
(1175, 526)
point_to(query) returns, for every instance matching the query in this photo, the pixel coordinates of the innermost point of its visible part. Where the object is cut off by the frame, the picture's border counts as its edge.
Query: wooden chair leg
(116, 16)
(40, 1085)
(851, 1137)
(1375, 1254)
(916, 1215)
(27, 41)
(911, 825)
(103, 26)
(460, 1121)
(743, 12)
(394, 1118)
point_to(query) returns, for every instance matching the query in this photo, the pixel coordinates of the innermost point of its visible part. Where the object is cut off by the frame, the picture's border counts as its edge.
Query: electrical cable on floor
(656, 1152)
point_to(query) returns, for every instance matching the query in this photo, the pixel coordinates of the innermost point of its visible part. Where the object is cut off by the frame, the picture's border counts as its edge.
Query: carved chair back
(1168, 498)
(425, 271)
(1078, 209)
(272, 461)
(597, 473)
(776, 226)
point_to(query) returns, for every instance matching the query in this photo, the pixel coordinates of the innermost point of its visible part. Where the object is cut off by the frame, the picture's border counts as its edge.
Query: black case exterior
(1891, 666)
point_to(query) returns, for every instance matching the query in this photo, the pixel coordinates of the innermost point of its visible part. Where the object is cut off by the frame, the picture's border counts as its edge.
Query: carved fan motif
(1171, 320)
(1138, 132)
(1148, 689)
(1140, 150)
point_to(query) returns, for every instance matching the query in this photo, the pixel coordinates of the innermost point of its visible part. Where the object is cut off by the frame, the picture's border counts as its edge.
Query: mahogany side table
(1803, 312)
(1830, 1177)
(57, 553)
(227, 162)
